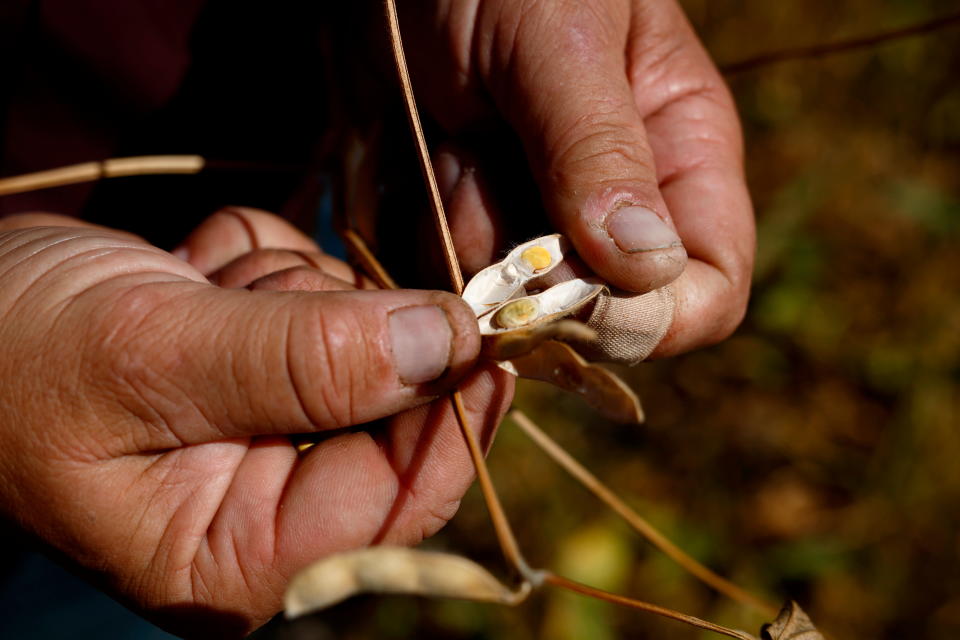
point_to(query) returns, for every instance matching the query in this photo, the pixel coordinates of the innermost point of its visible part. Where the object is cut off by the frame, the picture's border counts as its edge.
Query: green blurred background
(816, 453)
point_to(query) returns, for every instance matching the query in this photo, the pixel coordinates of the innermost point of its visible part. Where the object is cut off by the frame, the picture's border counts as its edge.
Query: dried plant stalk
(635, 520)
(112, 168)
(571, 585)
(508, 542)
(423, 153)
(368, 262)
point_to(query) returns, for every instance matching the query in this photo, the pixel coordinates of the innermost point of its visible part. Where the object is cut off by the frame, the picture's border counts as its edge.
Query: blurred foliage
(813, 454)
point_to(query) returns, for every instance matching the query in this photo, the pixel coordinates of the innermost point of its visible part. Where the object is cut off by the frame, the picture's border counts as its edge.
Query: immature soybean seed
(517, 313)
(537, 258)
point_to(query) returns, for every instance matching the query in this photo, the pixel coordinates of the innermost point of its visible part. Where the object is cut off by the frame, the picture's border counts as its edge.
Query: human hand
(629, 131)
(145, 410)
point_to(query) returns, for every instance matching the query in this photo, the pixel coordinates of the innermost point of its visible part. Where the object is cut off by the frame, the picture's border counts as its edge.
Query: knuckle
(599, 143)
(583, 30)
(299, 278)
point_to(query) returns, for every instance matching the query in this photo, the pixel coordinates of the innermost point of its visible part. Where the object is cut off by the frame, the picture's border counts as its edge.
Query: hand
(145, 410)
(630, 133)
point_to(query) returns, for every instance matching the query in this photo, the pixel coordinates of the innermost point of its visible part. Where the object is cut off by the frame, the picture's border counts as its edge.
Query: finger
(40, 219)
(412, 474)
(234, 231)
(561, 80)
(300, 279)
(394, 486)
(30, 219)
(475, 221)
(712, 294)
(695, 135)
(198, 363)
(256, 264)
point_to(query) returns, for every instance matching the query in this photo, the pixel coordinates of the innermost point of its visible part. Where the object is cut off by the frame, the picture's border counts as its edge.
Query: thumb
(567, 95)
(266, 362)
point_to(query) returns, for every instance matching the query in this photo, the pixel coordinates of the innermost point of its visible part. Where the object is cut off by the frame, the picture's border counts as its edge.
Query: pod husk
(505, 280)
(397, 570)
(557, 302)
(518, 342)
(558, 364)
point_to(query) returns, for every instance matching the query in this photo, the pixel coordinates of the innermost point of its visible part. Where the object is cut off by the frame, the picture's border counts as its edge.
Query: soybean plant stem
(635, 520)
(90, 171)
(413, 117)
(368, 262)
(508, 543)
(571, 585)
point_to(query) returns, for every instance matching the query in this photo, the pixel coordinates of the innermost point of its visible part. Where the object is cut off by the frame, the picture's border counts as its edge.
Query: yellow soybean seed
(517, 313)
(537, 258)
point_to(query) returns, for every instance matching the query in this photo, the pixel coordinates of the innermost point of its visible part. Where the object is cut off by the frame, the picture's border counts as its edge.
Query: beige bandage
(629, 326)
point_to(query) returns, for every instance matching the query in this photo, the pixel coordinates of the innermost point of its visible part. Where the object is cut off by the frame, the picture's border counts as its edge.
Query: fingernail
(182, 252)
(637, 229)
(448, 170)
(422, 339)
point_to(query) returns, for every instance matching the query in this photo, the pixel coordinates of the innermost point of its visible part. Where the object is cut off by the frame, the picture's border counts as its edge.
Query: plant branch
(635, 520)
(508, 542)
(368, 262)
(599, 594)
(436, 203)
(90, 171)
(840, 46)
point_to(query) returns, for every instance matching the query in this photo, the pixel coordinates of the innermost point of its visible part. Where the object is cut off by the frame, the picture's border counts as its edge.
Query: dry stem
(112, 168)
(436, 203)
(368, 261)
(508, 543)
(571, 585)
(840, 46)
(635, 520)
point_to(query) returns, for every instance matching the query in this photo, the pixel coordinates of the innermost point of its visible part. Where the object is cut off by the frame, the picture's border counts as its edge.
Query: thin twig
(436, 203)
(840, 46)
(600, 594)
(112, 168)
(368, 261)
(508, 542)
(635, 520)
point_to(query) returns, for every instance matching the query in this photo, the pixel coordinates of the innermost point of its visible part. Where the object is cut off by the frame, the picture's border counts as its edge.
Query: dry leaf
(393, 570)
(791, 624)
(558, 364)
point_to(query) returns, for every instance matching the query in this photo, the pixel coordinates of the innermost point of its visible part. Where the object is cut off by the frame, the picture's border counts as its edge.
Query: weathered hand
(630, 133)
(144, 411)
